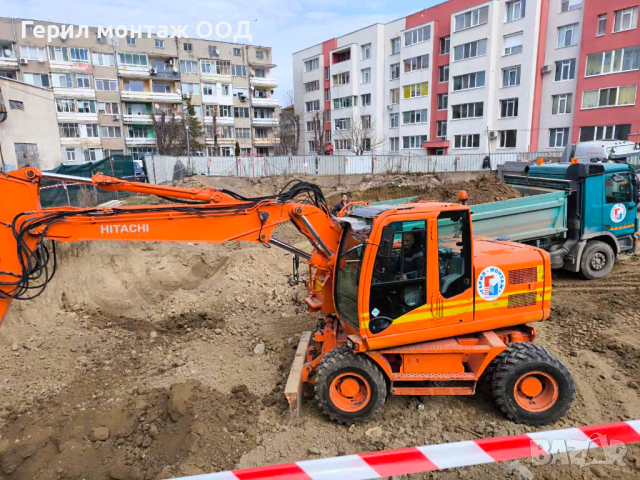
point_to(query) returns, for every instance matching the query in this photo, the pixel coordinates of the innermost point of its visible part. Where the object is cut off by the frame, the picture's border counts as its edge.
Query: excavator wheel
(531, 386)
(349, 388)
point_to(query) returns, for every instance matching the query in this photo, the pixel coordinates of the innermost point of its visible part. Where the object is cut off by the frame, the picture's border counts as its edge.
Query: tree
(168, 132)
(318, 119)
(195, 130)
(289, 128)
(362, 134)
(237, 150)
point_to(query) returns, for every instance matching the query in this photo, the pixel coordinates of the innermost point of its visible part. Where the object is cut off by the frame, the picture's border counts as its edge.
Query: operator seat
(456, 271)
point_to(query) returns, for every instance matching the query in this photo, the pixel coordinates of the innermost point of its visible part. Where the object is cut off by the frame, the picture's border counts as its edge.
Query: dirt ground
(149, 361)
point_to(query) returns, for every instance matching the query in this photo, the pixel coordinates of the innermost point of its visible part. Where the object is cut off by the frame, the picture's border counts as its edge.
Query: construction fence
(165, 169)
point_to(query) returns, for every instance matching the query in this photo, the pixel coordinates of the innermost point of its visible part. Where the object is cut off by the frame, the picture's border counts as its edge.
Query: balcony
(91, 142)
(136, 71)
(267, 122)
(221, 141)
(136, 119)
(267, 82)
(82, 93)
(75, 117)
(9, 63)
(266, 142)
(136, 141)
(264, 102)
(172, 97)
(219, 121)
(62, 66)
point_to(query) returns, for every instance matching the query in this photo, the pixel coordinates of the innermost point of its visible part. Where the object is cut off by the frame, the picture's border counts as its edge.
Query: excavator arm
(205, 215)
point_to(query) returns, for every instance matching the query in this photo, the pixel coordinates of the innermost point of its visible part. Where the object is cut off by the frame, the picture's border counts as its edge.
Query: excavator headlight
(350, 343)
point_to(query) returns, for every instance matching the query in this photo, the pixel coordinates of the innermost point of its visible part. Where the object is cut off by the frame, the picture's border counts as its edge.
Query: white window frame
(109, 82)
(396, 45)
(79, 51)
(421, 62)
(443, 102)
(394, 92)
(574, 28)
(512, 104)
(442, 69)
(468, 139)
(312, 64)
(474, 16)
(475, 49)
(632, 12)
(513, 7)
(36, 54)
(417, 35)
(602, 25)
(394, 120)
(418, 116)
(570, 5)
(617, 89)
(394, 144)
(514, 49)
(555, 133)
(469, 76)
(441, 128)
(611, 55)
(365, 76)
(503, 136)
(414, 141)
(395, 68)
(565, 64)
(468, 111)
(564, 100)
(365, 51)
(158, 43)
(446, 43)
(343, 78)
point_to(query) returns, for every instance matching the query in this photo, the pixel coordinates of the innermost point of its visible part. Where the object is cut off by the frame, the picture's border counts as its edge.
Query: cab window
(618, 189)
(454, 253)
(399, 281)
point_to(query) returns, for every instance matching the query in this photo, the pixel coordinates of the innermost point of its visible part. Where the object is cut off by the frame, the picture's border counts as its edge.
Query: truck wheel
(349, 388)
(531, 386)
(597, 260)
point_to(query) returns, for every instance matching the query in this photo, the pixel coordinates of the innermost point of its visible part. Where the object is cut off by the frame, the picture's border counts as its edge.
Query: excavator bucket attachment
(294, 388)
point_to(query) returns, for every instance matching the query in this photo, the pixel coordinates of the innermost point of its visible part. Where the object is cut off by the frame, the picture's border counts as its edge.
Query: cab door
(451, 285)
(619, 211)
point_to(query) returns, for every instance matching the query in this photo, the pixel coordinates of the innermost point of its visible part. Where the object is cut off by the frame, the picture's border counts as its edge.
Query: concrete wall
(36, 124)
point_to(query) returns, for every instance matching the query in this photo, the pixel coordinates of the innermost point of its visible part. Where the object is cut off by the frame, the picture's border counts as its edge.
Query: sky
(285, 25)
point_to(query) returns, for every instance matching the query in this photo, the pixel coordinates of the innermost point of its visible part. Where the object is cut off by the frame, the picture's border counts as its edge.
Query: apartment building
(107, 89)
(476, 76)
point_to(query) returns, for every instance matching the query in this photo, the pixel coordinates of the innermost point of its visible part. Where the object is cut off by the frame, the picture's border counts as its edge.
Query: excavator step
(429, 347)
(437, 377)
(294, 386)
(313, 303)
(433, 390)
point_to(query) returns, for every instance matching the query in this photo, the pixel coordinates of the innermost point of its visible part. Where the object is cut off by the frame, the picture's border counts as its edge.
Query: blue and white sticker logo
(491, 283)
(618, 212)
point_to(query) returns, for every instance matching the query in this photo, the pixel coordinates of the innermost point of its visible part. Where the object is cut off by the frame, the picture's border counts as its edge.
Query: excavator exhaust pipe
(294, 388)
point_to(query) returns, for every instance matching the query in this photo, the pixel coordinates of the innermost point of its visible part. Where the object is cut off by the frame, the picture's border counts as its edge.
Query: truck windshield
(352, 248)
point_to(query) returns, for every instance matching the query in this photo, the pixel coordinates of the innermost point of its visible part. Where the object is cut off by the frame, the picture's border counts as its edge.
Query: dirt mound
(485, 189)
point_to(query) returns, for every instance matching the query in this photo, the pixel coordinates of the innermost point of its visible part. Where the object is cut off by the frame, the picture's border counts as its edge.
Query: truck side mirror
(386, 241)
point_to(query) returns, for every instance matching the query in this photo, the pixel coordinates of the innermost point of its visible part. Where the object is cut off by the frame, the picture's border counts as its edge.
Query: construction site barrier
(444, 456)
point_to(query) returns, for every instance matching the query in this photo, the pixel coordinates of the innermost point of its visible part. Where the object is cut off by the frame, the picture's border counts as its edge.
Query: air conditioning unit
(24, 61)
(493, 135)
(547, 69)
(185, 96)
(389, 107)
(175, 69)
(115, 117)
(242, 97)
(152, 71)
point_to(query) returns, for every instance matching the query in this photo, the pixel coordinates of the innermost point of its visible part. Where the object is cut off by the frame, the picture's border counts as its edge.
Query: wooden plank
(294, 388)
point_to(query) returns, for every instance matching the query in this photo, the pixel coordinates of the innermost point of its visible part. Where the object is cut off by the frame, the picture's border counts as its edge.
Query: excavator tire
(486, 380)
(349, 388)
(597, 260)
(531, 386)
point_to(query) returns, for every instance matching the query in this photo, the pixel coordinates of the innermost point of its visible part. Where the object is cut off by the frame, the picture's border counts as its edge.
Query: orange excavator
(410, 302)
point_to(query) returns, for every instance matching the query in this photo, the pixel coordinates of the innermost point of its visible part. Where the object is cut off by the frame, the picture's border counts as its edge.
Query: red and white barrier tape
(440, 457)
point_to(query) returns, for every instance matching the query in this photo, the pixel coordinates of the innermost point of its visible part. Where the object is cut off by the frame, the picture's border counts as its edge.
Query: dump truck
(409, 301)
(583, 214)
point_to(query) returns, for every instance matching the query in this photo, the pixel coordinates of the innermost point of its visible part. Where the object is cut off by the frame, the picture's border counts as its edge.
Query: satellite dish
(157, 105)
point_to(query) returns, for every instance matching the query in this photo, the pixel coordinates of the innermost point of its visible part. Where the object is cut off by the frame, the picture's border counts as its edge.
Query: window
(565, 70)
(56, 53)
(69, 130)
(190, 88)
(237, 52)
(83, 81)
(626, 19)
(365, 121)
(470, 19)
(569, 5)
(101, 38)
(515, 10)
(568, 35)
(414, 141)
(188, 66)
(365, 100)
(104, 59)
(342, 124)
(394, 144)
(225, 111)
(312, 86)
(419, 35)
(210, 110)
(443, 72)
(365, 75)
(470, 50)
(136, 109)
(395, 46)
(414, 116)
(106, 84)
(613, 61)
(161, 66)
(37, 79)
(137, 131)
(79, 55)
(134, 59)
(467, 110)
(394, 95)
(467, 141)
(562, 104)
(263, 112)
(416, 63)
(243, 132)
(607, 132)
(343, 144)
(344, 102)
(327, 94)
(509, 108)
(311, 65)
(395, 71)
(327, 73)
(187, 47)
(442, 128)
(64, 105)
(394, 120)
(16, 105)
(136, 86)
(62, 80)
(416, 90)
(92, 154)
(468, 81)
(609, 97)
(159, 43)
(602, 24)
(508, 138)
(343, 56)
(260, 54)
(86, 106)
(92, 131)
(29, 29)
(365, 50)
(445, 45)
(161, 87)
(443, 101)
(558, 137)
(312, 106)
(618, 189)
(238, 71)
(131, 41)
(260, 73)
(341, 79)
(513, 43)
(108, 108)
(511, 76)
(399, 283)
(33, 53)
